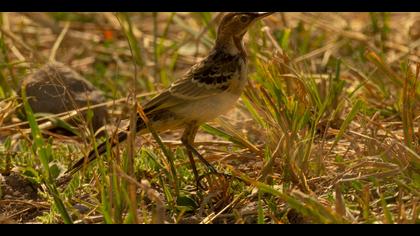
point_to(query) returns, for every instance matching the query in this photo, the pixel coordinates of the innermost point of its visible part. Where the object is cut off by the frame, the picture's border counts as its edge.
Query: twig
(58, 41)
(63, 114)
(37, 205)
(318, 51)
(267, 32)
(15, 39)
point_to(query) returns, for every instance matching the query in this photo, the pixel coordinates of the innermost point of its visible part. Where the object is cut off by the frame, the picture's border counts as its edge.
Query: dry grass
(327, 131)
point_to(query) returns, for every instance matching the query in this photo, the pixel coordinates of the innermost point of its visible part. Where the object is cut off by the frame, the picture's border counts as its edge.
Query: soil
(19, 200)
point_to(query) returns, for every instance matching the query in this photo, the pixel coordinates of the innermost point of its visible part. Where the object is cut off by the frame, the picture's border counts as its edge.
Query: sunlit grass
(327, 130)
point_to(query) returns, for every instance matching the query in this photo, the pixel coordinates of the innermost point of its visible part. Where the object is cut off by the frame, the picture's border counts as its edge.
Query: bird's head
(234, 26)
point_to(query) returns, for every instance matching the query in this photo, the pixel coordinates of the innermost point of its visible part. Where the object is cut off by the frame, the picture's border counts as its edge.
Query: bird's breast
(207, 109)
(237, 84)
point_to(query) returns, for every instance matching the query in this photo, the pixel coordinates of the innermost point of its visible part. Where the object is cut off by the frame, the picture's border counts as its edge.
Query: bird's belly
(207, 109)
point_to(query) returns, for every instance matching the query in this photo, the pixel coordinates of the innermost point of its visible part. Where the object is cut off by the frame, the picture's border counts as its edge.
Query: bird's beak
(261, 15)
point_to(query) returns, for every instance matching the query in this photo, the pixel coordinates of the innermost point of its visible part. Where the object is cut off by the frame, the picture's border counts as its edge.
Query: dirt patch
(19, 200)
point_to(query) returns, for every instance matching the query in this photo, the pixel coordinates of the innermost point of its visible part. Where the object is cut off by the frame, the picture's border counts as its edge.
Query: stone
(81, 208)
(56, 88)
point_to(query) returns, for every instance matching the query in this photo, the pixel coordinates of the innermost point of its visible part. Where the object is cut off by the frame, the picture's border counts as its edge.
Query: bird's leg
(188, 140)
(205, 162)
(184, 139)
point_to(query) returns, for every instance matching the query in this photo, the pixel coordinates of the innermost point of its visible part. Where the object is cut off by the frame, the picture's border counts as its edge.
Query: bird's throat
(232, 45)
(239, 44)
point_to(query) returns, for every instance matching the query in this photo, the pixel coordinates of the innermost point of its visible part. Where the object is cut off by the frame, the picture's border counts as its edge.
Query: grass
(327, 131)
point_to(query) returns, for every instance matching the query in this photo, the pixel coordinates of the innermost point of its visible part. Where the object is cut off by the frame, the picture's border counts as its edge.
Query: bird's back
(210, 88)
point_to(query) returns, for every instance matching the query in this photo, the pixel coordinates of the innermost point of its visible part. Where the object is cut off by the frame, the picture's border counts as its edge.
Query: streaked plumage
(209, 89)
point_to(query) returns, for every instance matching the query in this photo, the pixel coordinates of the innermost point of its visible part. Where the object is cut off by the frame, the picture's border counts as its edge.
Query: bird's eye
(244, 18)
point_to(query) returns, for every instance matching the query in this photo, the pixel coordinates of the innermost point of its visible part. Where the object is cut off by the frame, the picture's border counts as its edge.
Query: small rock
(28, 189)
(56, 88)
(17, 186)
(81, 208)
(13, 180)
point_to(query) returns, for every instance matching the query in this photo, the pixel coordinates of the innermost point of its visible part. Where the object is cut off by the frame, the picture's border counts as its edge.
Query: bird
(207, 90)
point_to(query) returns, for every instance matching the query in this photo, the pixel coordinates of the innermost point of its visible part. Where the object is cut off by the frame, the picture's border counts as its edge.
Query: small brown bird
(209, 89)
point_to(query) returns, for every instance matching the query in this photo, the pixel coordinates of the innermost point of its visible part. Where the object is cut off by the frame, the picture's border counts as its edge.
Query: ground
(327, 131)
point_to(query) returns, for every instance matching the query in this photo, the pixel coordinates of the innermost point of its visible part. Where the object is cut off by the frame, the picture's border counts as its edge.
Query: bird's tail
(121, 137)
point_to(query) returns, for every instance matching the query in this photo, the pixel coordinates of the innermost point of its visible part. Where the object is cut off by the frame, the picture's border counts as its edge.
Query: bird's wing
(211, 76)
